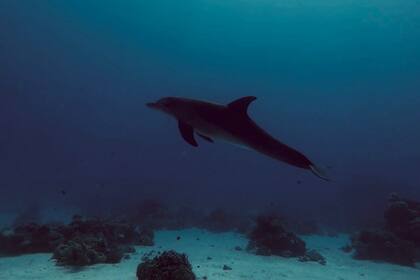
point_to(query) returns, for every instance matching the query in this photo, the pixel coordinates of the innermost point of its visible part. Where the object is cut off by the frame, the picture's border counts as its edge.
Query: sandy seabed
(201, 245)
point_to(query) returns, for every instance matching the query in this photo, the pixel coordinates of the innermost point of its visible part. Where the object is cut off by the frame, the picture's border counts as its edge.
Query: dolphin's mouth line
(151, 105)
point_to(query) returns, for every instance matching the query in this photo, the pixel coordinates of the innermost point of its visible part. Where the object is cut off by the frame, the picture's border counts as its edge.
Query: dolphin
(229, 123)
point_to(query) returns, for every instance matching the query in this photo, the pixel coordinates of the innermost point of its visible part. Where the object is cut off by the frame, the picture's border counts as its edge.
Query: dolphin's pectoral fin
(187, 133)
(241, 104)
(206, 138)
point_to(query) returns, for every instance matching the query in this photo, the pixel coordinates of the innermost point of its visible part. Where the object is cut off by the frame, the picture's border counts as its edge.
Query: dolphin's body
(230, 123)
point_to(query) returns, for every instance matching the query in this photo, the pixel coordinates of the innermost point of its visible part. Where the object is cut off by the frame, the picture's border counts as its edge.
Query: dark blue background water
(339, 80)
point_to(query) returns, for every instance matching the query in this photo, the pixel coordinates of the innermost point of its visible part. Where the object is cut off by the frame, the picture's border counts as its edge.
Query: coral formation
(82, 242)
(145, 237)
(270, 238)
(402, 217)
(399, 241)
(29, 238)
(383, 245)
(169, 265)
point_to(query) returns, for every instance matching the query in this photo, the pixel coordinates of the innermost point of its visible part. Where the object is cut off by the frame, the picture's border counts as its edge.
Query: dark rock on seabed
(30, 238)
(80, 243)
(402, 217)
(399, 241)
(145, 237)
(313, 256)
(270, 238)
(96, 241)
(383, 245)
(82, 251)
(226, 267)
(169, 265)
(346, 248)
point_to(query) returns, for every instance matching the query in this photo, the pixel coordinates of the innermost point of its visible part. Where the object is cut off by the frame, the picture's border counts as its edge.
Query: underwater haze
(337, 80)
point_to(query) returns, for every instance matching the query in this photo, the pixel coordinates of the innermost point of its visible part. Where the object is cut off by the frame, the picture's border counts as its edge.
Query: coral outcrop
(29, 238)
(383, 245)
(402, 218)
(169, 265)
(80, 243)
(270, 238)
(399, 241)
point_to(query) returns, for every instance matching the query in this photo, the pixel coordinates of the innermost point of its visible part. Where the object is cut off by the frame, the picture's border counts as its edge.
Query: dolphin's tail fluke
(319, 172)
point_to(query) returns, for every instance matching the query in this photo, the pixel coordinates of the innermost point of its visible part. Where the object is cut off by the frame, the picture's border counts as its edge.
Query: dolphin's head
(167, 105)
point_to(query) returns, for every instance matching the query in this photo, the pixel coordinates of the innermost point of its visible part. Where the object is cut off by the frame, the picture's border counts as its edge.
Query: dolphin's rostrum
(230, 123)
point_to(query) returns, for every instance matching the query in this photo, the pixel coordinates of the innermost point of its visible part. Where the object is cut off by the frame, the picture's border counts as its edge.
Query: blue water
(338, 80)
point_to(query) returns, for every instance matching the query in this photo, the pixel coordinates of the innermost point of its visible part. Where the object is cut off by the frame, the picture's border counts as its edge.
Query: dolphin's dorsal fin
(187, 132)
(241, 104)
